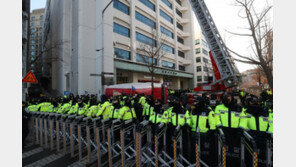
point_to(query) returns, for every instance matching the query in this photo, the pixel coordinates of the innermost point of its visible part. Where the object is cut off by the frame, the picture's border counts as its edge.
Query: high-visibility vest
(82, 110)
(45, 107)
(155, 118)
(180, 119)
(73, 109)
(263, 123)
(92, 111)
(125, 113)
(202, 121)
(166, 116)
(64, 108)
(270, 121)
(222, 116)
(114, 113)
(147, 110)
(104, 110)
(142, 101)
(32, 107)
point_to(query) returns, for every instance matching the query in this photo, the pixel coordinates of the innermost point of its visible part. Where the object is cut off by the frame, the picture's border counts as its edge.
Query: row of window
(33, 17)
(125, 9)
(205, 69)
(167, 3)
(204, 59)
(126, 55)
(199, 78)
(204, 51)
(166, 32)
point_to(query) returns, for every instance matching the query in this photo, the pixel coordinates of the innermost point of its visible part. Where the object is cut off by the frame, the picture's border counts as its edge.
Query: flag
(133, 88)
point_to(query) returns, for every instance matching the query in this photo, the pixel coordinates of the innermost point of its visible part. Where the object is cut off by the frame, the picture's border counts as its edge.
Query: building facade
(35, 43)
(100, 43)
(25, 41)
(203, 72)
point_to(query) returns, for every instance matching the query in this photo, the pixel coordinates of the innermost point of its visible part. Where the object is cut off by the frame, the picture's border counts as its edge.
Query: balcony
(184, 21)
(185, 62)
(185, 34)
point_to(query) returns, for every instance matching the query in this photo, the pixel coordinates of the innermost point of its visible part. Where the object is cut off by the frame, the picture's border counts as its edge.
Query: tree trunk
(268, 74)
(152, 82)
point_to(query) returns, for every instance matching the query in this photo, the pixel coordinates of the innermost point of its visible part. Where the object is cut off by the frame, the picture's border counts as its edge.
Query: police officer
(114, 112)
(148, 107)
(127, 112)
(156, 115)
(105, 107)
(82, 107)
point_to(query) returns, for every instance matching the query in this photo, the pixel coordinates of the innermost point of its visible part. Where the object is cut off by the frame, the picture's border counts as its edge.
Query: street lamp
(101, 58)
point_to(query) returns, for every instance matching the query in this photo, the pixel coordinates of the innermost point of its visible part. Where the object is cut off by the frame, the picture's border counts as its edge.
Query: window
(122, 54)
(32, 47)
(204, 43)
(32, 58)
(179, 2)
(197, 59)
(198, 68)
(32, 53)
(41, 17)
(205, 69)
(206, 78)
(148, 4)
(166, 32)
(178, 12)
(32, 42)
(167, 3)
(119, 29)
(204, 51)
(32, 35)
(145, 20)
(199, 78)
(33, 24)
(197, 42)
(145, 59)
(181, 68)
(167, 17)
(33, 29)
(179, 26)
(181, 40)
(145, 39)
(181, 54)
(205, 60)
(41, 23)
(120, 6)
(168, 64)
(168, 48)
(197, 50)
(33, 18)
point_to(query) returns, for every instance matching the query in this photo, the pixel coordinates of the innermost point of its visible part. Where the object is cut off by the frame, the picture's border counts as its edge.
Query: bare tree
(261, 35)
(151, 52)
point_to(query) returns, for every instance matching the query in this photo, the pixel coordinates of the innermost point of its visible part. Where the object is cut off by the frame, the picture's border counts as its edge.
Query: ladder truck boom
(229, 74)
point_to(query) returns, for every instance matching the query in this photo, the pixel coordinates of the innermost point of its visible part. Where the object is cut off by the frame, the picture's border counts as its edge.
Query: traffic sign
(30, 78)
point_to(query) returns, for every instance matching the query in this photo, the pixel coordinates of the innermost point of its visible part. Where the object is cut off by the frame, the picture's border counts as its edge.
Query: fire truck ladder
(224, 61)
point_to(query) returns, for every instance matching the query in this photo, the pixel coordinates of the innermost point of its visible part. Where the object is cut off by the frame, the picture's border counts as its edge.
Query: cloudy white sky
(225, 15)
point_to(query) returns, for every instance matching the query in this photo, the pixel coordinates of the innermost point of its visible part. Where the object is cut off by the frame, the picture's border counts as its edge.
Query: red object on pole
(30, 78)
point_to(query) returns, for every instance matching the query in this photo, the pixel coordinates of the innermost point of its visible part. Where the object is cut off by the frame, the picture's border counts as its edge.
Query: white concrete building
(83, 46)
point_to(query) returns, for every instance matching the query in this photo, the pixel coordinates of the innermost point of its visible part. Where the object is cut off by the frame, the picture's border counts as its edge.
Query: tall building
(203, 72)
(35, 43)
(25, 40)
(95, 43)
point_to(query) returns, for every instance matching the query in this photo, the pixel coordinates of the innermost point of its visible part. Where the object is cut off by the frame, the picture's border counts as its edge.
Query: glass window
(41, 23)
(168, 64)
(32, 35)
(32, 42)
(204, 43)
(179, 2)
(33, 18)
(178, 12)
(120, 6)
(206, 78)
(119, 29)
(197, 50)
(32, 53)
(179, 26)
(145, 20)
(197, 59)
(166, 32)
(199, 78)
(205, 60)
(205, 69)
(32, 47)
(145, 39)
(197, 42)
(198, 68)
(181, 54)
(145, 59)
(41, 17)
(33, 29)
(167, 3)
(181, 40)
(204, 51)
(122, 54)
(167, 17)
(32, 58)
(181, 68)
(33, 24)
(148, 4)
(168, 48)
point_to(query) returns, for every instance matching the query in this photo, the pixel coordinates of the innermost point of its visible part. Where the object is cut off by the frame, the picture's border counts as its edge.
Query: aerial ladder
(225, 71)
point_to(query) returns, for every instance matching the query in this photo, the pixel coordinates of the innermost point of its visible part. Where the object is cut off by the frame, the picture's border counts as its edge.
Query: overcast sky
(225, 15)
